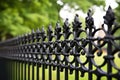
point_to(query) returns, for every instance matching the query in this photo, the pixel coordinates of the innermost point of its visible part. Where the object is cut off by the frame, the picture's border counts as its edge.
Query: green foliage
(21, 16)
(85, 4)
(117, 12)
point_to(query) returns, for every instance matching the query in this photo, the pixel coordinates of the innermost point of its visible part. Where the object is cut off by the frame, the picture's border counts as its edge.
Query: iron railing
(64, 50)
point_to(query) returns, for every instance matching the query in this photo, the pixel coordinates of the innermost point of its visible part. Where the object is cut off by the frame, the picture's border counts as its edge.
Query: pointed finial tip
(109, 17)
(109, 7)
(58, 24)
(77, 15)
(38, 30)
(26, 34)
(42, 28)
(89, 13)
(50, 26)
(66, 19)
(66, 23)
(33, 31)
(89, 10)
(76, 19)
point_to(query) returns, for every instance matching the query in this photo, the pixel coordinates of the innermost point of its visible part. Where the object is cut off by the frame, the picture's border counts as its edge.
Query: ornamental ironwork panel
(69, 48)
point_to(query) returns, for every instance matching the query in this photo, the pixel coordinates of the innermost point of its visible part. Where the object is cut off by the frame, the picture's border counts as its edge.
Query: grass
(97, 59)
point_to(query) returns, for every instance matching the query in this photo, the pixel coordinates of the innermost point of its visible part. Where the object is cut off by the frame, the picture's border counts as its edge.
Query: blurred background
(21, 16)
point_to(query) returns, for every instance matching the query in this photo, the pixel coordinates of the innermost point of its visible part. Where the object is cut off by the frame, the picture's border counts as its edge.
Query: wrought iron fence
(63, 50)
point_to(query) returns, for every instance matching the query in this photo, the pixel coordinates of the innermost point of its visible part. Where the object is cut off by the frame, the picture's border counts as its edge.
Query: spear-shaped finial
(66, 29)
(43, 35)
(76, 23)
(109, 17)
(33, 31)
(89, 19)
(66, 23)
(38, 34)
(50, 32)
(58, 31)
(38, 30)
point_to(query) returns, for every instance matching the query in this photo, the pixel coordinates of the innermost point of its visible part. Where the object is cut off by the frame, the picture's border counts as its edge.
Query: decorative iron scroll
(55, 48)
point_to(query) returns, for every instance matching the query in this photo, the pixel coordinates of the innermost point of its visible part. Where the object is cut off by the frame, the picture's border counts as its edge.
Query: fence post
(109, 21)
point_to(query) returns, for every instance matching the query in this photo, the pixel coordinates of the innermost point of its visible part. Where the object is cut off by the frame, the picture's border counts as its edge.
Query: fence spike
(43, 34)
(50, 32)
(38, 35)
(76, 23)
(25, 36)
(77, 26)
(76, 19)
(32, 31)
(66, 23)
(38, 30)
(89, 19)
(33, 35)
(109, 18)
(66, 29)
(29, 37)
(58, 31)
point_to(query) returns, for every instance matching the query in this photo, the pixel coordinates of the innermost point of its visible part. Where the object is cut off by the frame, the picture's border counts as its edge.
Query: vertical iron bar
(25, 71)
(50, 73)
(10, 70)
(43, 71)
(76, 64)
(90, 63)
(109, 51)
(32, 71)
(109, 66)
(76, 71)
(66, 71)
(21, 70)
(37, 71)
(76, 33)
(28, 71)
(15, 70)
(50, 36)
(89, 54)
(18, 70)
(90, 26)
(43, 36)
(109, 19)
(58, 72)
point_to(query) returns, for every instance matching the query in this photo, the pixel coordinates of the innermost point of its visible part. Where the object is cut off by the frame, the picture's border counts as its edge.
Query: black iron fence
(67, 51)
